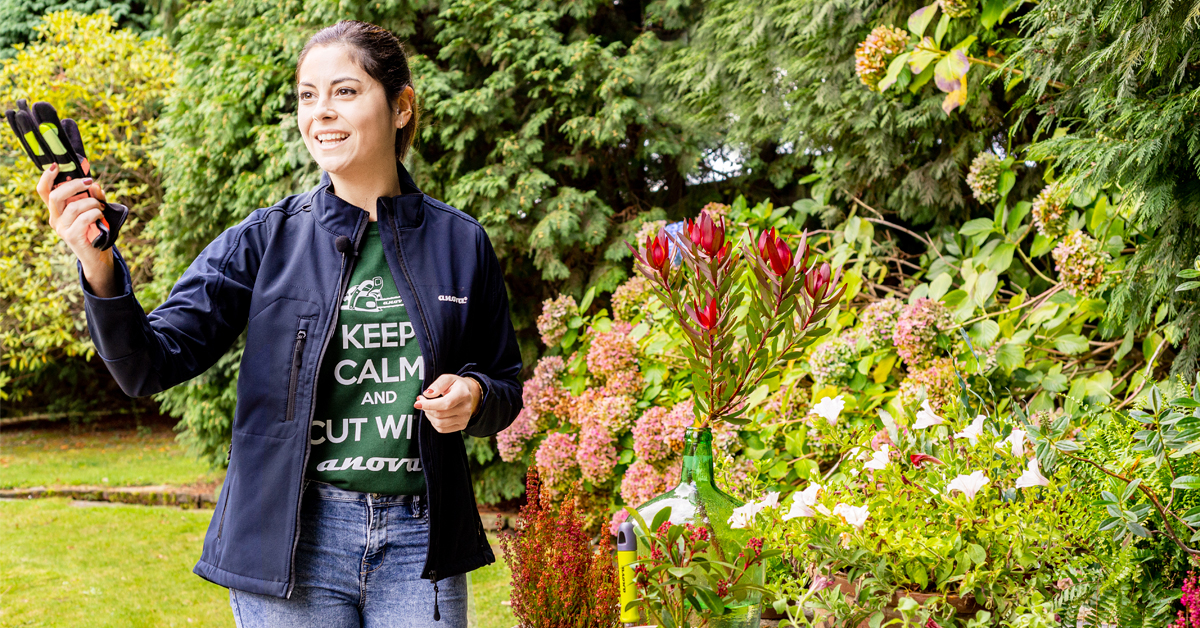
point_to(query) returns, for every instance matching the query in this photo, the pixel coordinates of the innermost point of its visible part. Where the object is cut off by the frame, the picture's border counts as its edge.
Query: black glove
(42, 136)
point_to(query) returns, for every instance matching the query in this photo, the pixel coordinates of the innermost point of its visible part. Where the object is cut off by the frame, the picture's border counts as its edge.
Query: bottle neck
(697, 456)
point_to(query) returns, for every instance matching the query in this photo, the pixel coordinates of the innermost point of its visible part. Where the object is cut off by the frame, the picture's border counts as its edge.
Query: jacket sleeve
(189, 332)
(496, 362)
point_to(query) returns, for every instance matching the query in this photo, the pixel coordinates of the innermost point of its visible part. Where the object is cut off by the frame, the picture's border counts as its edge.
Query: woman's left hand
(452, 410)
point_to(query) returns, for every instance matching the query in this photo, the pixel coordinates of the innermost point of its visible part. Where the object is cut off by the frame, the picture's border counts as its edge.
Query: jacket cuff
(121, 312)
(485, 385)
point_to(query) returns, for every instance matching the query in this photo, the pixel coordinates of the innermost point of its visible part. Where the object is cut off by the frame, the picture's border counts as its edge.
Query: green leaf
(977, 554)
(940, 31)
(1188, 482)
(659, 518)
(939, 286)
(1001, 258)
(979, 225)
(1071, 344)
(587, 300)
(920, 19)
(925, 53)
(1018, 214)
(1041, 246)
(917, 573)
(985, 285)
(993, 12)
(1187, 285)
(894, 70)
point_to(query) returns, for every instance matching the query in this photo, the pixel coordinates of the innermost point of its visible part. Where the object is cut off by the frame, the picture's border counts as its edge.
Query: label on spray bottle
(626, 555)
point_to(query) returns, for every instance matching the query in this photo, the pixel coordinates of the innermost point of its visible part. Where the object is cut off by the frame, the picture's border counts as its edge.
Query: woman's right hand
(71, 212)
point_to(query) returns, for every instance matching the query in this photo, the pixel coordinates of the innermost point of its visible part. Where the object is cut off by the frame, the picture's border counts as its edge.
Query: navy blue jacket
(282, 273)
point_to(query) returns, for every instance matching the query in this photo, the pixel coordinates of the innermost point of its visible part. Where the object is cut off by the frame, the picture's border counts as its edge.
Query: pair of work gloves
(42, 136)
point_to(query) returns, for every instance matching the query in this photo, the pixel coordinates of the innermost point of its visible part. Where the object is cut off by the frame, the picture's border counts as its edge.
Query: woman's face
(347, 123)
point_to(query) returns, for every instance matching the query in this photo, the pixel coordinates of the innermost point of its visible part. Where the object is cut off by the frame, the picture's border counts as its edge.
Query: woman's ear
(403, 112)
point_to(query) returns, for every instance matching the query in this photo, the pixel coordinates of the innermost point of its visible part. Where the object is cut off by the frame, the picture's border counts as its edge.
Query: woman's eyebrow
(333, 82)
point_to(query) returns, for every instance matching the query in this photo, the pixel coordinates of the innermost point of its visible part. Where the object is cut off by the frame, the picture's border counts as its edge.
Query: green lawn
(65, 564)
(104, 457)
(122, 565)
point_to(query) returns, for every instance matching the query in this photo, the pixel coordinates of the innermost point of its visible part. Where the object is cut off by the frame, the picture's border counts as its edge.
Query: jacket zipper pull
(229, 453)
(437, 614)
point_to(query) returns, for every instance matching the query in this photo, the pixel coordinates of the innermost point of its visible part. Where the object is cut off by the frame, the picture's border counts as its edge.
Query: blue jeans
(358, 564)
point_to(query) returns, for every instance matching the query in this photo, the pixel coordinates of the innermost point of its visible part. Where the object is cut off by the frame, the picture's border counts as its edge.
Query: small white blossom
(973, 431)
(968, 485)
(855, 516)
(803, 502)
(830, 408)
(926, 417)
(879, 460)
(743, 515)
(1032, 476)
(1016, 440)
(771, 500)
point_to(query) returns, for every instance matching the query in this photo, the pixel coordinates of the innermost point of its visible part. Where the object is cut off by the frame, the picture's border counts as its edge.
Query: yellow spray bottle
(626, 554)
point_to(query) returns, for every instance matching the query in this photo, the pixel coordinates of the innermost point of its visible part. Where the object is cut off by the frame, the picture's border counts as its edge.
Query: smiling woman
(331, 514)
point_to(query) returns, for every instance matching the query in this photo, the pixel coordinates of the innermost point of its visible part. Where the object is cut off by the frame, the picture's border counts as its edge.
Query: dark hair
(381, 56)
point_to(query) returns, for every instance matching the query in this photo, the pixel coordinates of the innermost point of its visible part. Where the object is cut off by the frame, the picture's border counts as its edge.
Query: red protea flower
(775, 252)
(705, 317)
(817, 280)
(707, 235)
(918, 460)
(657, 251)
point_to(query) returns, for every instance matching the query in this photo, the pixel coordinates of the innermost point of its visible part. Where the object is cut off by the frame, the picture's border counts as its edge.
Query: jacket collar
(342, 218)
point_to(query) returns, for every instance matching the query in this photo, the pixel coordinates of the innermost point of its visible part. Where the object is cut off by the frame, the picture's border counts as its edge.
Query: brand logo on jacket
(452, 299)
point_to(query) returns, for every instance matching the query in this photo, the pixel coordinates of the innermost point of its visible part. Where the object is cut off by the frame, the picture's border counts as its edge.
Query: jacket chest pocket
(278, 367)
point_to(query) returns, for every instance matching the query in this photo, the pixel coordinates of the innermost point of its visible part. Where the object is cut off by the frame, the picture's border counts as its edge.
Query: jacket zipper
(294, 380)
(225, 506)
(343, 282)
(437, 614)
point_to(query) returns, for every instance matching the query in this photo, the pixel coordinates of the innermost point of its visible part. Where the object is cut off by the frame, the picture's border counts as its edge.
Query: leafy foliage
(112, 83)
(20, 19)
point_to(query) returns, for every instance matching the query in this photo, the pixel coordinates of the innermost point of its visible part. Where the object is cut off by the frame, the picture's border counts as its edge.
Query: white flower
(771, 500)
(926, 417)
(973, 431)
(879, 460)
(1016, 440)
(969, 485)
(743, 515)
(1032, 476)
(823, 510)
(855, 516)
(829, 408)
(803, 502)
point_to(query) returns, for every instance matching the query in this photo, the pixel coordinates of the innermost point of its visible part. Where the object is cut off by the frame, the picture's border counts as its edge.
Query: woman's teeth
(329, 140)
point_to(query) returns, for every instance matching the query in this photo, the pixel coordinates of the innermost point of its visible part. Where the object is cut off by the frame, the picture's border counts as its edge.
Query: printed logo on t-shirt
(368, 297)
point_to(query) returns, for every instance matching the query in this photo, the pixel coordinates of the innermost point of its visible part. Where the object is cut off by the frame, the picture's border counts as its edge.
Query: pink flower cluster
(594, 407)
(1080, 262)
(542, 393)
(624, 383)
(873, 55)
(936, 382)
(916, 329)
(643, 481)
(556, 313)
(597, 453)
(877, 321)
(612, 351)
(629, 297)
(1189, 617)
(512, 440)
(1049, 210)
(658, 435)
(833, 361)
(556, 462)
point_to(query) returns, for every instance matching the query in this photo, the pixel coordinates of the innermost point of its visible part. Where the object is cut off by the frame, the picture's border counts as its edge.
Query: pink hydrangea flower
(878, 321)
(937, 382)
(555, 459)
(614, 412)
(612, 351)
(512, 440)
(556, 313)
(597, 454)
(916, 329)
(658, 435)
(543, 393)
(833, 362)
(618, 518)
(642, 482)
(630, 297)
(624, 383)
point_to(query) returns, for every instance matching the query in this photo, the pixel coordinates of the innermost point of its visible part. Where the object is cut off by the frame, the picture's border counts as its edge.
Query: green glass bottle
(699, 501)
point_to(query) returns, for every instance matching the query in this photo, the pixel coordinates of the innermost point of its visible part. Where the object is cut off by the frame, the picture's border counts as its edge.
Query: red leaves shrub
(558, 579)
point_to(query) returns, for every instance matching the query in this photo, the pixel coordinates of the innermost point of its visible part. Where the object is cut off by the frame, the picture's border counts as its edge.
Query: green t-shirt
(364, 433)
